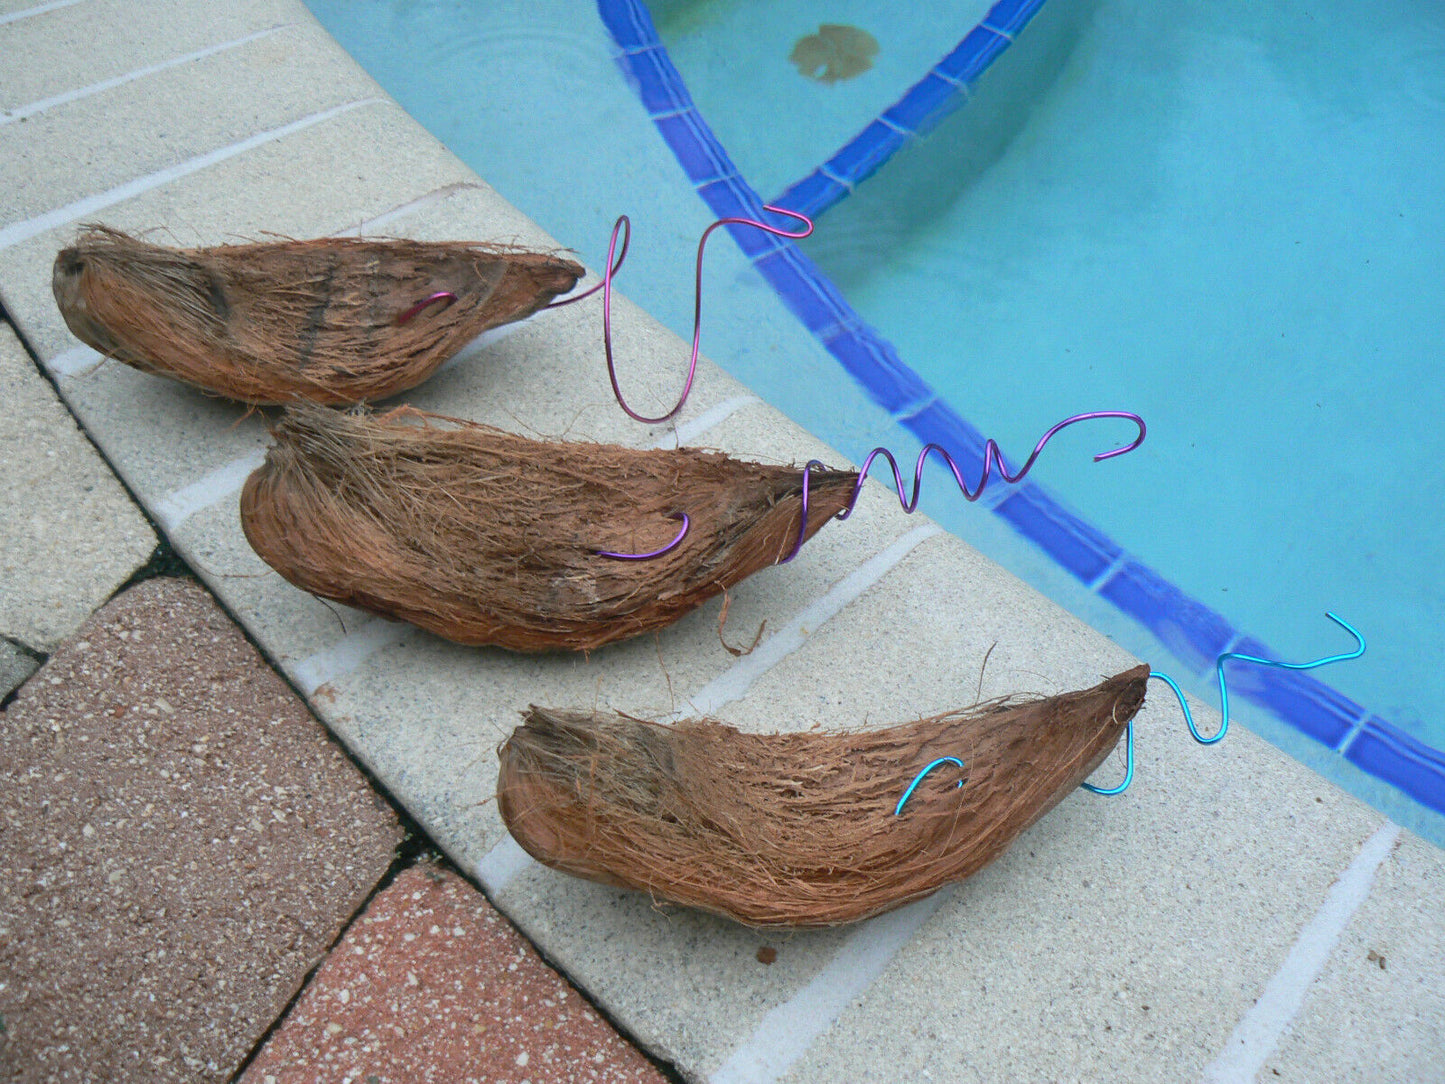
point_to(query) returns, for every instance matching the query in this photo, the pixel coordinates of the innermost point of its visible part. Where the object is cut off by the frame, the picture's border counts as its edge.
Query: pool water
(1228, 218)
(1221, 216)
(735, 57)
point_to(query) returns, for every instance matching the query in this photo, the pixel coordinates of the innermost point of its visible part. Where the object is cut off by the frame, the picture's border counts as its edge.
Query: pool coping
(1194, 632)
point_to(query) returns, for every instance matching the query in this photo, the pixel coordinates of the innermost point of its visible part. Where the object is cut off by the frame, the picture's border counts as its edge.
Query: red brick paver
(179, 843)
(432, 985)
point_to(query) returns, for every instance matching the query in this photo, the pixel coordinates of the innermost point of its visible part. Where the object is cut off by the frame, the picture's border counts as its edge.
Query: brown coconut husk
(486, 537)
(798, 829)
(321, 320)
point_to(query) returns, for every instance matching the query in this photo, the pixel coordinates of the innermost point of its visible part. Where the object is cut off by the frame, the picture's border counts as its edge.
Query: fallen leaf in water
(835, 52)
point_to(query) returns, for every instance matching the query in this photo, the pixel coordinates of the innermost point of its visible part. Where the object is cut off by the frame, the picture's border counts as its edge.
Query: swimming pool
(1223, 220)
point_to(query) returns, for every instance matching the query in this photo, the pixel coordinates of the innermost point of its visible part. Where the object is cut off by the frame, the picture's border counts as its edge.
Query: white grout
(503, 862)
(1260, 1029)
(734, 683)
(436, 195)
(73, 362)
(24, 230)
(177, 507)
(689, 431)
(38, 9)
(788, 1030)
(344, 656)
(21, 112)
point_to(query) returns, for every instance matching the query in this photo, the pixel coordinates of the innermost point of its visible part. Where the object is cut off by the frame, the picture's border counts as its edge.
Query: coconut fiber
(486, 537)
(798, 829)
(335, 320)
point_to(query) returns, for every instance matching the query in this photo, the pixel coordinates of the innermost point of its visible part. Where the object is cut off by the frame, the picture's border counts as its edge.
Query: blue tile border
(923, 106)
(1192, 631)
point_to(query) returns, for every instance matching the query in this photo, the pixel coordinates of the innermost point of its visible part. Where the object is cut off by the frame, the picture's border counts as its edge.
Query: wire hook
(686, 523)
(898, 809)
(1224, 696)
(623, 226)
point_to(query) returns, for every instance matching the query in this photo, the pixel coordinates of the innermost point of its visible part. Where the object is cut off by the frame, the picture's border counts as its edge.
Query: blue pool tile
(657, 82)
(814, 307)
(755, 243)
(1072, 543)
(1392, 755)
(629, 23)
(925, 104)
(1196, 634)
(1011, 16)
(813, 195)
(890, 383)
(699, 156)
(973, 54)
(872, 147)
(727, 197)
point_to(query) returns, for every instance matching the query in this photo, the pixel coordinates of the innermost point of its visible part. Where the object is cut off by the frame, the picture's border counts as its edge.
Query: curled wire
(898, 809)
(623, 227)
(441, 295)
(992, 458)
(686, 523)
(1359, 650)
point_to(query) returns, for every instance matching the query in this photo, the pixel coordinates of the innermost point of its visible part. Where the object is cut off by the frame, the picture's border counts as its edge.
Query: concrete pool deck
(1233, 916)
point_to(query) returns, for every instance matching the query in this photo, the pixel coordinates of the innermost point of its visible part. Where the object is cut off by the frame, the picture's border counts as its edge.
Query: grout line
(24, 230)
(73, 362)
(503, 862)
(346, 654)
(506, 859)
(180, 505)
(734, 683)
(690, 430)
(1261, 1028)
(786, 1031)
(38, 9)
(436, 195)
(21, 112)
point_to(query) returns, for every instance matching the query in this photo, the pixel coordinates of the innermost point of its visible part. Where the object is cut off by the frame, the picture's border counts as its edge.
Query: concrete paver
(72, 534)
(431, 984)
(181, 843)
(1377, 1012)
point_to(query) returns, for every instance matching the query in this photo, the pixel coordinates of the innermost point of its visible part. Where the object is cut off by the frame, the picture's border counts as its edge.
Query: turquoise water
(1228, 221)
(1230, 218)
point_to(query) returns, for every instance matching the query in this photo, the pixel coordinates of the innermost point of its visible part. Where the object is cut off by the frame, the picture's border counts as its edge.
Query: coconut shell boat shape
(486, 537)
(802, 829)
(334, 320)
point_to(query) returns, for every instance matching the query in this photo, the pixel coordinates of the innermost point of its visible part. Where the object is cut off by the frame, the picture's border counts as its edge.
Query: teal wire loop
(1128, 765)
(1224, 692)
(898, 810)
(1223, 698)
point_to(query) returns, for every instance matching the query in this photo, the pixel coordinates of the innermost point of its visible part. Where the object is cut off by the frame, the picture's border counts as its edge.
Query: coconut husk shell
(324, 320)
(798, 829)
(487, 537)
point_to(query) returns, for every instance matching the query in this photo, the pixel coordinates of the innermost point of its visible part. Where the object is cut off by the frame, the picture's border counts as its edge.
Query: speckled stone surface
(433, 985)
(180, 844)
(69, 533)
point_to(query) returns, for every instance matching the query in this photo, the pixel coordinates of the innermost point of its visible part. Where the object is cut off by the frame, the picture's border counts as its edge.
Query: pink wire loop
(440, 295)
(992, 457)
(623, 226)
